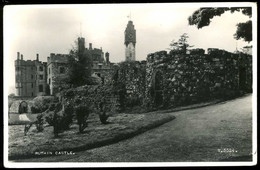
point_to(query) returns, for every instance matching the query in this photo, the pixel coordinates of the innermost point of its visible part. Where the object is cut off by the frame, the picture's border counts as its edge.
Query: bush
(49, 118)
(103, 116)
(35, 110)
(55, 118)
(82, 113)
(39, 123)
(68, 117)
(41, 103)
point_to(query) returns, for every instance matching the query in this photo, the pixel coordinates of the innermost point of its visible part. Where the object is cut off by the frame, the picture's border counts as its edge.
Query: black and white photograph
(130, 85)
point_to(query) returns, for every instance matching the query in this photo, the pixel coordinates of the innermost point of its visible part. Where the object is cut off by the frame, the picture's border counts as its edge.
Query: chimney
(107, 57)
(90, 46)
(18, 55)
(21, 57)
(37, 57)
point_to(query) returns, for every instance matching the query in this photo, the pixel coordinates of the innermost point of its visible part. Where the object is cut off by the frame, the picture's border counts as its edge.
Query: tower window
(41, 68)
(41, 88)
(62, 70)
(41, 77)
(49, 70)
(32, 85)
(49, 81)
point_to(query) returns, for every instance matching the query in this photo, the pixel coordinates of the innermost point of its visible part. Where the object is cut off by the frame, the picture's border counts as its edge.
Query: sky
(31, 29)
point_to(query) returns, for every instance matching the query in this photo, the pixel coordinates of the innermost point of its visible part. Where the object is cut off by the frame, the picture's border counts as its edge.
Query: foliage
(39, 123)
(68, 117)
(103, 116)
(129, 75)
(181, 45)
(244, 31)
(82, 113)
(55, 117)
(202, 17)
(41, 103)
(79, 67)
(77, 73)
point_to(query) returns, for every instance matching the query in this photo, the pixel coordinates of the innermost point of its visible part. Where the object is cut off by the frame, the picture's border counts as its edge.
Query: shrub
(35, 110)
(41, 103)
(54, 118)
(103, 116)
(82, 113)
(39, 123)
(68, 117)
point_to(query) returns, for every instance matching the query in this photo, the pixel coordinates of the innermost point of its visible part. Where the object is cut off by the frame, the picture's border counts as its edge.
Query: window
(35, 77)
(41, 68)
(41, 77)
(32, 85)
(49, 70)
(17, 68)
(32, 68)
(41, 88)
(62, 70)
(31, 76)
(49, 81)
(32, 93)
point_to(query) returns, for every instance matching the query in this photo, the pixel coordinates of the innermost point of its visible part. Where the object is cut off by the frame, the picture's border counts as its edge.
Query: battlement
(60, 58)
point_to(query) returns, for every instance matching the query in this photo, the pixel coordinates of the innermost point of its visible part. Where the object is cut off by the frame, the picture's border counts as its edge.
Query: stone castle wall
(56, 75)
(194, 77)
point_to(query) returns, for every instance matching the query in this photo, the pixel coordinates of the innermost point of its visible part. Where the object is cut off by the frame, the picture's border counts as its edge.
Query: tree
(79, 67)
(181, 45)
(202, 17)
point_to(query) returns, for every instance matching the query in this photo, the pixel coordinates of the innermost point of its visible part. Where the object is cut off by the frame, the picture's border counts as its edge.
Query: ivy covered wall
(174, 79)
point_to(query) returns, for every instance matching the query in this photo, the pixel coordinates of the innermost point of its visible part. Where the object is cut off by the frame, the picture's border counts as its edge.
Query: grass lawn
(120, 126)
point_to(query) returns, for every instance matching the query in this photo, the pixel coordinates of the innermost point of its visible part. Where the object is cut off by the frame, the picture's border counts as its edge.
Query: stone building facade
(36, 78)
(57, 68)
(30, 77)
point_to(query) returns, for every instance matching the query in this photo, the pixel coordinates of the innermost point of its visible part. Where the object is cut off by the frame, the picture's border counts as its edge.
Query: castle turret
(81, 45)
(37, 57)
(21, 57)
(107, 57)
(90, 46)
(18, 55)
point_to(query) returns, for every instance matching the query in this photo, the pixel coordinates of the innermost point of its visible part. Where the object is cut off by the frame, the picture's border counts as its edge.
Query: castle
(36, 78)
(168, 79)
